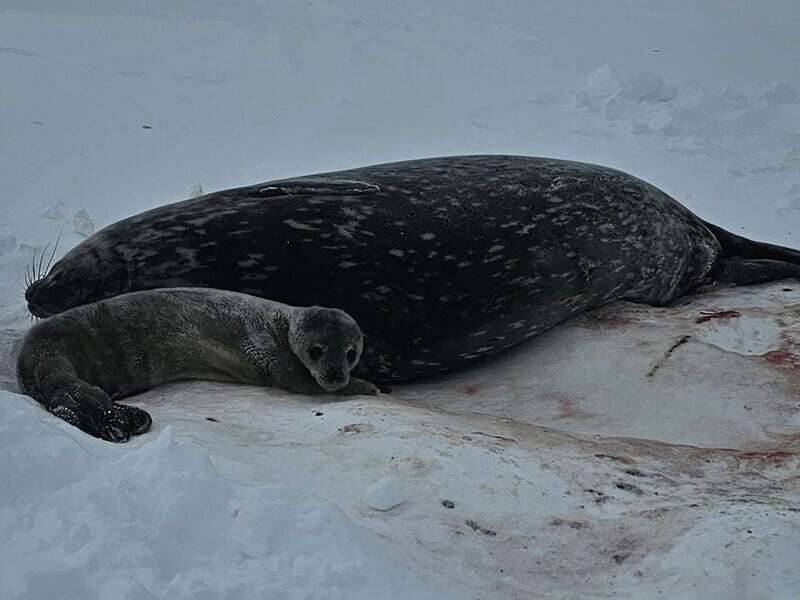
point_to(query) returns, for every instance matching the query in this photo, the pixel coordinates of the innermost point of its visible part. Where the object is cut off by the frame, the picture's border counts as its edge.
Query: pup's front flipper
(358, 387)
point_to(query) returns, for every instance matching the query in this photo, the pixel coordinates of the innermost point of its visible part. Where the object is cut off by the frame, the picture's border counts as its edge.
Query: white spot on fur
(397, 252)
(189, 254)
(298, 225)
(428, 236)
(525, 230)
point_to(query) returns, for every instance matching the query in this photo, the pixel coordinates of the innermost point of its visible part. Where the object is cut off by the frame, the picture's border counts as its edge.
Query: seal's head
(328, 342)
(85, 274)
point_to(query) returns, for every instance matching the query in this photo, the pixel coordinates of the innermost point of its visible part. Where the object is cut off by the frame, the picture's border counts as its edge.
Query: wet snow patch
(748, 335)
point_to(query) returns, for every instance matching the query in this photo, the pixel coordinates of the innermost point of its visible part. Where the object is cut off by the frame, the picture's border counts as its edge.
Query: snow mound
(384, 494)
(693, 117)
(81, 518)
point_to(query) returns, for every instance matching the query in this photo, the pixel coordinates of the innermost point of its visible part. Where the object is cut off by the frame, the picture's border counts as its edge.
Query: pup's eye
(315, 352)
(352, 355)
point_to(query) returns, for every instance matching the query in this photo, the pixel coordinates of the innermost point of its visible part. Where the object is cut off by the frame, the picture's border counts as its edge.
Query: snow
(384, 494)
(88, 519)
(634, 452)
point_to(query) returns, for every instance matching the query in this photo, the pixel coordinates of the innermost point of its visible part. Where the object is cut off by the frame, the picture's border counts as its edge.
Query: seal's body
(75, 362)
(441, 261)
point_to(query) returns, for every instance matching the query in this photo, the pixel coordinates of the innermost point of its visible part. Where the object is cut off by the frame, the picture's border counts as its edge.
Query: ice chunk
(82, 224)
(384, 494)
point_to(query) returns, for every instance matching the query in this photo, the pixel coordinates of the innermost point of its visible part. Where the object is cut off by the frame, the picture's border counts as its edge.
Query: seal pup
(79, 362)
(442, 261)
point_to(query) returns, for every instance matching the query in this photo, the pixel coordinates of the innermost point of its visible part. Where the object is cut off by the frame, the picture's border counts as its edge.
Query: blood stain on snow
(471, 389)
(771, 457)
(783, 358)
(568, 407)
(708, 315)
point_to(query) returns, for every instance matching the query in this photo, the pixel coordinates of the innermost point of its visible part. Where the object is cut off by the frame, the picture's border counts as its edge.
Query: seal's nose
(334, 374)
(30, 293)
(33, 297)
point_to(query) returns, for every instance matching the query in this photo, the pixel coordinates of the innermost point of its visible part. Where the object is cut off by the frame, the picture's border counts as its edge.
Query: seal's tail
(745, 262)
(737, 246)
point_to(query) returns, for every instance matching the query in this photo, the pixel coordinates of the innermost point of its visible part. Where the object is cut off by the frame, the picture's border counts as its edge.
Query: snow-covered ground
(634, 452)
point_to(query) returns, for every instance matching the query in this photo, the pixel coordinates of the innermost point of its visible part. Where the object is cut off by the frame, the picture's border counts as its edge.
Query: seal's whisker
(53, 253)
(41, 262)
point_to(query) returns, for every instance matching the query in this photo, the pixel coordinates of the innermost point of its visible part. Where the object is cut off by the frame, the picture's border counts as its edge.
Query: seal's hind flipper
(748, 271)
(91, 410)
(316, 186)
(737, 246)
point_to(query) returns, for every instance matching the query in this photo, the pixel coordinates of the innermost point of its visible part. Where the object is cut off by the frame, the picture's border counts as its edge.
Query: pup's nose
(334, 374)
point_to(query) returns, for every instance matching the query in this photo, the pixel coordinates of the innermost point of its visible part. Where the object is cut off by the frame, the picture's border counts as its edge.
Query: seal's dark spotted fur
(441, 261)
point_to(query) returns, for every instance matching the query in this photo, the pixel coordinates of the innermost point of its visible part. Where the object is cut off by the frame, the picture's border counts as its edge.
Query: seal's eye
(315, 352)
(352, 355)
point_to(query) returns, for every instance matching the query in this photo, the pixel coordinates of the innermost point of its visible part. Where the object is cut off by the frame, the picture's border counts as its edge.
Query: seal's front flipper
(315, 186)
(748, 271)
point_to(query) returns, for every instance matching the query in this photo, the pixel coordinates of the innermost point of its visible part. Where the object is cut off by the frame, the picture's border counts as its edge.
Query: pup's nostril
(334, 374)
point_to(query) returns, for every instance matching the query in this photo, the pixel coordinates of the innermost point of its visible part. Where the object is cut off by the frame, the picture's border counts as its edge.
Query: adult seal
(441, 261)
(79, 362)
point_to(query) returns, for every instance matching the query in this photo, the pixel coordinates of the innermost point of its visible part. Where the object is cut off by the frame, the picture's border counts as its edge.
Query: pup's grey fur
(74, 363)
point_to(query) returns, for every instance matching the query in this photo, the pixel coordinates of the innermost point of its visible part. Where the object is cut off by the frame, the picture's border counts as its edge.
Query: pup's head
(328, 342)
